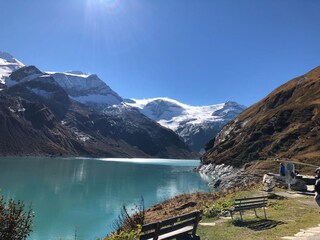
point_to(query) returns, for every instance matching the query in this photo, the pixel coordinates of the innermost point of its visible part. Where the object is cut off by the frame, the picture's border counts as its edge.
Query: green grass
(285, 218)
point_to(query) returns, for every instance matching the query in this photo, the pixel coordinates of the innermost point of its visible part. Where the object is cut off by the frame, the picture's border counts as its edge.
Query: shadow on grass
(257, 225)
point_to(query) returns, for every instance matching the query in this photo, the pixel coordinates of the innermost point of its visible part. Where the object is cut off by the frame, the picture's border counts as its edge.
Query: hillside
(285, 124)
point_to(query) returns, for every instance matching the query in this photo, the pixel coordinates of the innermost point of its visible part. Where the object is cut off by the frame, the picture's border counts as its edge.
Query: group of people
(290, 170)
(282, 172)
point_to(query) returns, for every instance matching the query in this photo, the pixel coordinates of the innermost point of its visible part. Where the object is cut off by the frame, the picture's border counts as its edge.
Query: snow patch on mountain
(8, 64)
(171, 113)
(41, 92)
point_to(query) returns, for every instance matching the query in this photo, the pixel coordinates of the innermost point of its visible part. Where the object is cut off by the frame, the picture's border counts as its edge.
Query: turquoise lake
(84, 195)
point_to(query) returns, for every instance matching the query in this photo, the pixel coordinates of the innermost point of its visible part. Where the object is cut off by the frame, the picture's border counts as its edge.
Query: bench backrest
(252, 202)
(154, 230)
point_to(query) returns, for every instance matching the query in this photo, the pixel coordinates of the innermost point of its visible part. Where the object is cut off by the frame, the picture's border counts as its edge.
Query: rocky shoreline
(225, 177)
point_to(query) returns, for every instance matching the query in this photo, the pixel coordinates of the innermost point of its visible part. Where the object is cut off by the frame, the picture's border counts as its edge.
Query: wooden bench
(181, 228)
(242, 204)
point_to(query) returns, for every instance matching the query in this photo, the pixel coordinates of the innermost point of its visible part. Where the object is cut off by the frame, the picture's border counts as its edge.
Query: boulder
(271, 180)
(241, 179)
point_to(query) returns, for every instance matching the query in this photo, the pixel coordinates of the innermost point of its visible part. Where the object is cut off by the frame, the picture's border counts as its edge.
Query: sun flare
(106, 3)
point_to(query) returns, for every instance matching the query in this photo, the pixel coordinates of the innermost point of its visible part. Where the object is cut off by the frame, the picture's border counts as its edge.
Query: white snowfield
(173, 114)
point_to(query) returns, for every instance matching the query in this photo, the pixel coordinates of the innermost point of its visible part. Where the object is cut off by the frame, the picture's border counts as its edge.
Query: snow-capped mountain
(74, 114)
(87, 89)
(8, 64)
(81, 87)
(195, 124)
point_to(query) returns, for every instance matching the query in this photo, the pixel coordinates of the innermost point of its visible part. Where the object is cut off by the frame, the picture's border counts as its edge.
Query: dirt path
(306, 234)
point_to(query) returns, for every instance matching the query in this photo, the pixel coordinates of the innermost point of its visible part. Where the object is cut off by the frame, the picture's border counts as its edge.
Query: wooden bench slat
(245, 205)
(172, 227)
(169, 221)
(253, 200)
(168, 229)
(248, 207)
(179, 218)
(148, 227)
(176, 233)
(177, 226)
(173, 235)
(240, 199)
(250, 203)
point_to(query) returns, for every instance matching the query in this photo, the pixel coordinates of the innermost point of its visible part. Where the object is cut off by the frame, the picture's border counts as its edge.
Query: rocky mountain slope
(286, 123)
(196, 125)
(74, 114)
(87, 89)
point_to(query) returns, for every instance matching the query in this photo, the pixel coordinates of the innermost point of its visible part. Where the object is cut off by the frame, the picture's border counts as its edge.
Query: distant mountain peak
(8, 64)
(87, 89)
(195, 124)
(233, 104)
(81, 87)
(7, 57)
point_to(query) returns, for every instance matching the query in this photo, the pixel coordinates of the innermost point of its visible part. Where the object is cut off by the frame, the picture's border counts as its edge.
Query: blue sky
(198, 52)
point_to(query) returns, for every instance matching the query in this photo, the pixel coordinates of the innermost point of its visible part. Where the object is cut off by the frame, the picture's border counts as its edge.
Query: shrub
(127, 223)
(15, 222)
(215, 209)
(126, 235)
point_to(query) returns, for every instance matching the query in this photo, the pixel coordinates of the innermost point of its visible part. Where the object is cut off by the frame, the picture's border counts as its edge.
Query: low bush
(128, 226)
(215, 209)
(126, 235)
(128, 221)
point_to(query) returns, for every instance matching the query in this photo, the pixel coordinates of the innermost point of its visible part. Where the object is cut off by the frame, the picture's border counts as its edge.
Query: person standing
(317, 191)
(282, 170)
(317, 173)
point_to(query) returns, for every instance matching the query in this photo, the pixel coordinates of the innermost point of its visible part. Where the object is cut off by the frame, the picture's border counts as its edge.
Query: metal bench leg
(231, 214)
(265, 215)
(241, 215)
(255, 212)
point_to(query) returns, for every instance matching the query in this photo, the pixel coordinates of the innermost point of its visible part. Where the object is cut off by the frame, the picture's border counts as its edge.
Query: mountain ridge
(284, 124)
(42, 116)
